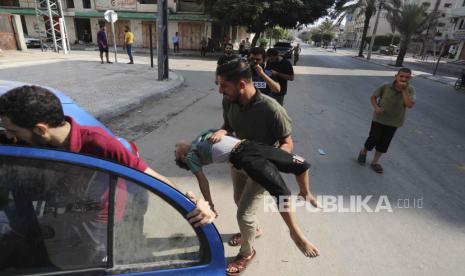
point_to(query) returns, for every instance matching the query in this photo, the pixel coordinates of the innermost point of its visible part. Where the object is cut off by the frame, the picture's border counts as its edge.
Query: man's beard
(235, 97)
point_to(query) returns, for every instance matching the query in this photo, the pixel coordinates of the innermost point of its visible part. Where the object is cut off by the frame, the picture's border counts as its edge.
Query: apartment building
(83, 18)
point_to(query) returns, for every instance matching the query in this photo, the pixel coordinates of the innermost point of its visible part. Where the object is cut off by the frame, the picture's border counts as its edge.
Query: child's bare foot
(304, 245)
(310, 198)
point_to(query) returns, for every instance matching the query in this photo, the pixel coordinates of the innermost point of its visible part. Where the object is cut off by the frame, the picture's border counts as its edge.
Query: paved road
(329, 104)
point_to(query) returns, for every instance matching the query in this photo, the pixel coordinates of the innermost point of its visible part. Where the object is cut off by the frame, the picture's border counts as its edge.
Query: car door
(68, 214)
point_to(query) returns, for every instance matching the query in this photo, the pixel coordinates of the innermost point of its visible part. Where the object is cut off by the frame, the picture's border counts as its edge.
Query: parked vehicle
(32, 42)
(54, 204)
(284, 49)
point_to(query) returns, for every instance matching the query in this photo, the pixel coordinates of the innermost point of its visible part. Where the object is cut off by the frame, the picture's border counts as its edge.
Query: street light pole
(162, 39)
(372, 41)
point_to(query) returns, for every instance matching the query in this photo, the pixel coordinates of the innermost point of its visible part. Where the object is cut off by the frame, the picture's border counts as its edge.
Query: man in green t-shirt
(250, 115)
(390, 102)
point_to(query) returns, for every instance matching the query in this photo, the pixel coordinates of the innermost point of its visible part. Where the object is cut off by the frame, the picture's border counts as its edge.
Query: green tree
(367, 8)
(258, 16)
(409, 19)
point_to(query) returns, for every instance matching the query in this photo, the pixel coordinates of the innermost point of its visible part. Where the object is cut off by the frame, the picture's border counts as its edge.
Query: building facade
(83, 18)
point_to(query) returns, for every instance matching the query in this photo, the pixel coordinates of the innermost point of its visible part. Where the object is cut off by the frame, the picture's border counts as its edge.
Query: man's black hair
(181, 164)
(272, 52)
(235, 70)
(405, 70)
(258, 51)
(28, 105)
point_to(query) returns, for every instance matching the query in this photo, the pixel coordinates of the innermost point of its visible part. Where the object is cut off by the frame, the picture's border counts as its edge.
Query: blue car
(63, 213)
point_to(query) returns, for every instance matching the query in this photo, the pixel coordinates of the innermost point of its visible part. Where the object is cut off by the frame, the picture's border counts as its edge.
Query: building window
(426, 4)
(70, 4)
(441, 24)
(10, 3)
(447, 5)
(86, 4)
(148, 1)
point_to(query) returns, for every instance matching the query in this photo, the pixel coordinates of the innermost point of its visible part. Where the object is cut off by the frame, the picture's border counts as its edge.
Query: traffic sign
(111, 16)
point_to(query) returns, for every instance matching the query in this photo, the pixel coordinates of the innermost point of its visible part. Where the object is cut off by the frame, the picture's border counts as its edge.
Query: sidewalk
(447, 73)
(105, 90)
(146, 51)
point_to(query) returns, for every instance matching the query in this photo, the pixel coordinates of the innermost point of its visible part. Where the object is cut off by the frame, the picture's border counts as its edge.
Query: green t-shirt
(392, 102)
(263, 120)
(200, 152)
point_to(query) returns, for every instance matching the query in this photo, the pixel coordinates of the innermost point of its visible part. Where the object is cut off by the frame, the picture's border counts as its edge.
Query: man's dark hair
(28, 105)
(235, 70)
(228, 44)
(272, 52)
(181, 164)
(127, 28)
(258, 51)
(404, 70)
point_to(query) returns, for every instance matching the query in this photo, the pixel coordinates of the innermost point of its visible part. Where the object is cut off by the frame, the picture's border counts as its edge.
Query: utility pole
(443, 48)
(372, 41)
(162, 39)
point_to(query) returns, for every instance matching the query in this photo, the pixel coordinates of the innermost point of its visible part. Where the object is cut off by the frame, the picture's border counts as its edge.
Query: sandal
(235, 240)
(362, 158)
(239, 264)
(377, 168)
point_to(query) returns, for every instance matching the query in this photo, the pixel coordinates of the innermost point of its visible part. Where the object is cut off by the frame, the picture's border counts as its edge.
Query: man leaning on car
(34, 116)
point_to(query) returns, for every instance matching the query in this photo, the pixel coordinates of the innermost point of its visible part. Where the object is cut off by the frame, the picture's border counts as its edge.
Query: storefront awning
(121, 15)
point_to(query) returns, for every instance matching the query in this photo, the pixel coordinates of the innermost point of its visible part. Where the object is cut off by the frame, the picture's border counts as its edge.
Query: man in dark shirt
(261, 77)
(102, 43)
(282, 70)
(228, 54)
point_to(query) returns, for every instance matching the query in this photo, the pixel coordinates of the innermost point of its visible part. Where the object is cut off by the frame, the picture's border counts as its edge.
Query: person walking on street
(128, 41)
(203, 47)
(297, 51)
(228, 55)
(102, 43)
(256, 117)
(175, 40)
(242, 48)
(282, 70)
(390, 101)
(262, 78)
(247, 46)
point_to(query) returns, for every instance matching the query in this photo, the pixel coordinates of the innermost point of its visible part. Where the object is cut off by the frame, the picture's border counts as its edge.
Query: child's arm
(205, 188)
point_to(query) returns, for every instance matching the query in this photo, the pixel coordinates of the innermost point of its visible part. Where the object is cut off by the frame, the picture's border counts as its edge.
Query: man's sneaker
(362, 158)
(131, 62)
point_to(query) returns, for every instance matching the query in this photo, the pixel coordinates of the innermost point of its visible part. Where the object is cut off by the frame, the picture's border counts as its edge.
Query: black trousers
(263, 163)
(380, 137)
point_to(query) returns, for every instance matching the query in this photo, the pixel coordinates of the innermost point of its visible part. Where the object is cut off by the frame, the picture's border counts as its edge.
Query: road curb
(424, 76)
(155, 95)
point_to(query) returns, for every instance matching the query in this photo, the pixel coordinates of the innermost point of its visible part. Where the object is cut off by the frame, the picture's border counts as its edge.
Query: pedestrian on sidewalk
(175, 40)
(128, 41)
(282, 70)
(297, 51)
(390, 101)
(247, 46)
(228, 55)
(255, 117)
(335, 47)
(203, 47)
(102, 43)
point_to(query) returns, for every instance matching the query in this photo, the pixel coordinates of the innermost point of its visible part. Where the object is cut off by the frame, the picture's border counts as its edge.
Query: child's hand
(310, 198)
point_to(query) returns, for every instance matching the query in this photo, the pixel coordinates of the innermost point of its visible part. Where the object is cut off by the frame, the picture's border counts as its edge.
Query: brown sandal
(239, 264)
(235, 240)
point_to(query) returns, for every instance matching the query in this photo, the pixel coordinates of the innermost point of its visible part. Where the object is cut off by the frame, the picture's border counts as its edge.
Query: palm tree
(367, 8)
(409, 19)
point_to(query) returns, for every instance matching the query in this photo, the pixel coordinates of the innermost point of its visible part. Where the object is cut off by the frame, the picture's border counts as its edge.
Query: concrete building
(83, 18)
(457, 33)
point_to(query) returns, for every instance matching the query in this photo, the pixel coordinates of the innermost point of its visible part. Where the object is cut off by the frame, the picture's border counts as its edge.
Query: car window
(53, 216)
(152, 232)
(282, 44)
